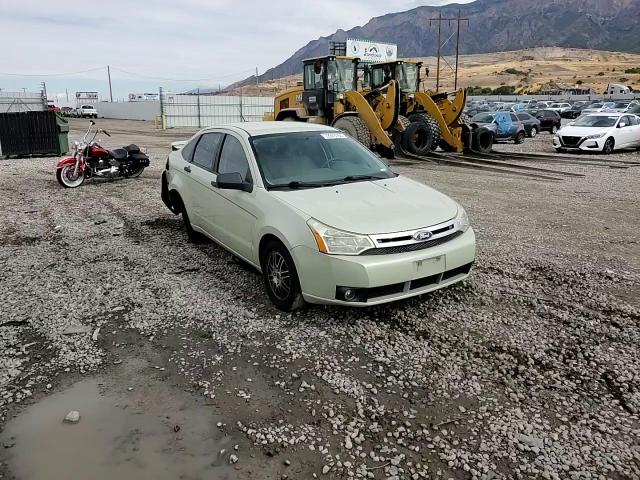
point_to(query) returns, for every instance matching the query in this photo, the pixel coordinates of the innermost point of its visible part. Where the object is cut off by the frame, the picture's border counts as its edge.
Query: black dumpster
(33, 133)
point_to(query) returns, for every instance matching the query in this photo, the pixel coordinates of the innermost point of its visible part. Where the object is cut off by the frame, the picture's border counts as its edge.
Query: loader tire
(396, 135)
(431, 125)
(482, 140)
(354, 127)
(417, 138)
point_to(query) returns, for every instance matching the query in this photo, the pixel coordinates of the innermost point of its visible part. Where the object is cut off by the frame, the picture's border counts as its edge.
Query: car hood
(581, 131)
(371, 207)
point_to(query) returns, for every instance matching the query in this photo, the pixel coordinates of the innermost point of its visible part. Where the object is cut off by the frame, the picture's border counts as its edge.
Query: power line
(50, 74)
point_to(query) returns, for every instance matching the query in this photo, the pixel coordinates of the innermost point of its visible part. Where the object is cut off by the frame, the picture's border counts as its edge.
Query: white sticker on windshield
(333, 136)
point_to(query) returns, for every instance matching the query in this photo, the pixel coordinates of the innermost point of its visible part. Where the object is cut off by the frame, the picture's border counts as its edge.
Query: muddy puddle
(131, 435)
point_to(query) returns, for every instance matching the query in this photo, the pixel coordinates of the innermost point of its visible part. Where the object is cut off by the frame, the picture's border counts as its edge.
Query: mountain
(494, 26)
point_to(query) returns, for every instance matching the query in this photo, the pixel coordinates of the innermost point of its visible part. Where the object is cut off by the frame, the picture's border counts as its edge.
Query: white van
(617, 89)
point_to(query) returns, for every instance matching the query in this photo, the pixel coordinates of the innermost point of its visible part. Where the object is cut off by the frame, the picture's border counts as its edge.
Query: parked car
(598, 107)
(87, 111)
(66, 111)
(600, 132)
(560, 107)
(635, 109)
(621, 107)
(319, 215)
(550, 120)
(531, 124)
(52, 108)
(504, 125)
(576, 110)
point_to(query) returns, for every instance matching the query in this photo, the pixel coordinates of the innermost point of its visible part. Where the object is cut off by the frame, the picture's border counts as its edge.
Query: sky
(176, 44)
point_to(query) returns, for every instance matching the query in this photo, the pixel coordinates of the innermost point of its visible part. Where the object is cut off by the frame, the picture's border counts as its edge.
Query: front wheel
(281, 277)
(67, 178)
(534, 132)
(554, 130)
(609, 146)
(519, 138)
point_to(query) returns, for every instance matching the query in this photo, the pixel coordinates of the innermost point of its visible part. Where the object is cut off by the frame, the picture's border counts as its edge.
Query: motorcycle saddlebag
(141, 159)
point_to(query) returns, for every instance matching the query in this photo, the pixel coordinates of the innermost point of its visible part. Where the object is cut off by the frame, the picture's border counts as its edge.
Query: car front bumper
(380, 279)
(591, 145)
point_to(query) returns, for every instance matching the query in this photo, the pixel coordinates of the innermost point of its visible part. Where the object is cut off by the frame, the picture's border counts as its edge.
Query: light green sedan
(321, 217)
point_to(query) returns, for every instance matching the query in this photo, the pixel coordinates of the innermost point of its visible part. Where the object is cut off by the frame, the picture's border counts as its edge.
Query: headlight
(596, 135)
(337, 242)
(461, 221)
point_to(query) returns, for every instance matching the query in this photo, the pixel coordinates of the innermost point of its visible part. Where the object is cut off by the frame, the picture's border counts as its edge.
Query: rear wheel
(609, 146)
(194, 237)
(431, 124)
(135, 173)
(281, 277)
(354, 127)
(519, 138)
(482, 140)
(533, 132)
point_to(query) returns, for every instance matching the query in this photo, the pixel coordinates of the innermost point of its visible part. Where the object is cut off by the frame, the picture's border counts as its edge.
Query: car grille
(571, 141)
(411, 247)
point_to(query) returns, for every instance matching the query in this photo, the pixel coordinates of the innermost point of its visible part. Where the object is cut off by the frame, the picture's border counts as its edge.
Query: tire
(194, 237)
(62, 174)
(431, 124)
(533, 133)
(136, 173)
(609, 146)
(519, 138)
(396, 135)
(561, 150)
(554, 130)
(354, 127)
(482, 140)
(417, 138)
(281, 277)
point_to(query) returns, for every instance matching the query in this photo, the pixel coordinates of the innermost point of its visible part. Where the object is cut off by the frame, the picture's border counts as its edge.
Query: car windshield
(596, 121)
(315, 159)
(483, 118)
(621, 105)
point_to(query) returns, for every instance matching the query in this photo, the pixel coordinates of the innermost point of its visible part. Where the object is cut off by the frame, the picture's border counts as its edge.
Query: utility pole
(256, 76)
(110, 91)
(458, 21)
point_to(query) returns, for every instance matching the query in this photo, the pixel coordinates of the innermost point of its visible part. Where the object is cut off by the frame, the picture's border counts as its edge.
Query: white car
(322, 218)
(600, 132)
(598, 107)
(87, 111)
(560, 107)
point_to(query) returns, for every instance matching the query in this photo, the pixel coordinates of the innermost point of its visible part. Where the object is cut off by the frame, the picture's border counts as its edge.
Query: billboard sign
(369, 51)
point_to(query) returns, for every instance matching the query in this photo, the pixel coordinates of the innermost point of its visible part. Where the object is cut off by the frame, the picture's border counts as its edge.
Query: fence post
(241, 115)
(199, 122)
(161, 108)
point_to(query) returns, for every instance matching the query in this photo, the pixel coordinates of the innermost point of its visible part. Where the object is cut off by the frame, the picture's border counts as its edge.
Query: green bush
(513, 71)
(504, 90)
(632, 70)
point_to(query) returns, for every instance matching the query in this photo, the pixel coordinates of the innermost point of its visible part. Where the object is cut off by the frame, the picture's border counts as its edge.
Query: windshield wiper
(353, 178)
(296, 184)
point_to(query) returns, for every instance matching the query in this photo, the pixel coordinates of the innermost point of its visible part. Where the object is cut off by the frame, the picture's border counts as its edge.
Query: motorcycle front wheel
(66, 177)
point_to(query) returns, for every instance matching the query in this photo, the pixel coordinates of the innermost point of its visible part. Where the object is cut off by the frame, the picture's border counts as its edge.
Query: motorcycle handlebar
(106, 133)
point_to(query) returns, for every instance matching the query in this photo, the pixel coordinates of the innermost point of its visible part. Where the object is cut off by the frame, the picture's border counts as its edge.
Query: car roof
(270, 127)
(607, 114)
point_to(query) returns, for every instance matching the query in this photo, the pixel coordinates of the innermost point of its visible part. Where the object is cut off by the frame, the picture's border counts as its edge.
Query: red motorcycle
(91, 160)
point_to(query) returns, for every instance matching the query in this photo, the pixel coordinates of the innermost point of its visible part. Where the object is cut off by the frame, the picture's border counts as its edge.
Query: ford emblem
(422, 235)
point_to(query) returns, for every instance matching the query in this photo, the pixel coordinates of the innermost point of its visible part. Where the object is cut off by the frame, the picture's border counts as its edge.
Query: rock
(326, 469)
(72, 417)
(96, 332)
(233, 459)
(347, 443)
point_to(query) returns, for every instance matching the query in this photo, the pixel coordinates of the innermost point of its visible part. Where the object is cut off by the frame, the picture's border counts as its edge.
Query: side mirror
(622, 125)
(232, 181)
(92, 122)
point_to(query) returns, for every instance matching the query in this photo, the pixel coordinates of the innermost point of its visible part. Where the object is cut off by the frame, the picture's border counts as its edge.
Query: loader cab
(325, 79)
(406, 73)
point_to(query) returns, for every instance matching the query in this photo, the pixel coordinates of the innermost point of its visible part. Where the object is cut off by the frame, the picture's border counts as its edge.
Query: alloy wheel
(278, 275)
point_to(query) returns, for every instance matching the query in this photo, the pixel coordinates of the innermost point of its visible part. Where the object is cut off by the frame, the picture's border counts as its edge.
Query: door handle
(187, 169)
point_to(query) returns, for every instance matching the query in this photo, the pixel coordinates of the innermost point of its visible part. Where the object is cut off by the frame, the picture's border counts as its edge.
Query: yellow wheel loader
(436, 120)
(329, 96)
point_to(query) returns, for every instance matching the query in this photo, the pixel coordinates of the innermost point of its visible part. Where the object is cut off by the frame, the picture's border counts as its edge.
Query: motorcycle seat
(119, 153)
(132, 148)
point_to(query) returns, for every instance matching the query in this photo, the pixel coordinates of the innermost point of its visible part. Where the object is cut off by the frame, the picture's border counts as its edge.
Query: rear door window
(206, 150)
(523, 117)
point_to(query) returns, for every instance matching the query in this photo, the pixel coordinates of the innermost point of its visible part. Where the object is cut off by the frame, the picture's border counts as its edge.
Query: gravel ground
(529, 369)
